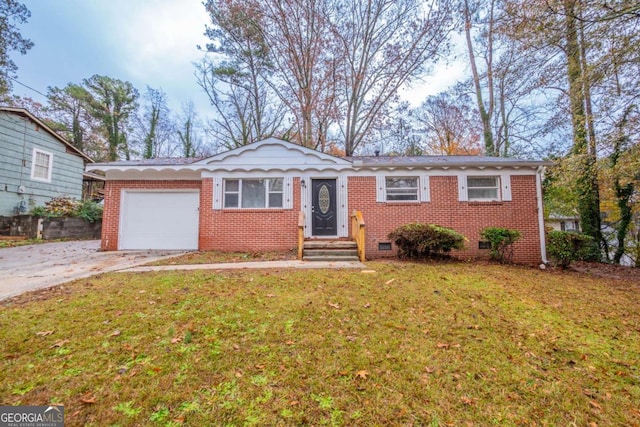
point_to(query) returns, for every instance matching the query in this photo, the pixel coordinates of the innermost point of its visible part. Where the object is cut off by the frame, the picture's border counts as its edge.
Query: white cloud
(162, 35)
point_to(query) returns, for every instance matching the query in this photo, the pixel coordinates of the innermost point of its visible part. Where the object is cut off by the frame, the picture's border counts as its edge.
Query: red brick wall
(252, 230)
(467, 218)
(276, 229)
(111, 214)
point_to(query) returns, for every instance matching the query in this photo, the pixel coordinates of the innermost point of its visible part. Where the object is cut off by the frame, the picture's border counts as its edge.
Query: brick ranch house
(272, 194)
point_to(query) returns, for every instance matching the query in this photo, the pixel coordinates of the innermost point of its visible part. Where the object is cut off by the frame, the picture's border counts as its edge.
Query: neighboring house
(563, 222)
(253, 198)
(36, 164)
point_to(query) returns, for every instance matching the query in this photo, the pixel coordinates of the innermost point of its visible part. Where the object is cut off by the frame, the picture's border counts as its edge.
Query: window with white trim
(253, 193)
(41, 163)
(483, 188)
(401, 188)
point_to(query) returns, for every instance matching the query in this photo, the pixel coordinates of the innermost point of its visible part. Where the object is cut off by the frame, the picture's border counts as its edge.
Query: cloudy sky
(146, 42)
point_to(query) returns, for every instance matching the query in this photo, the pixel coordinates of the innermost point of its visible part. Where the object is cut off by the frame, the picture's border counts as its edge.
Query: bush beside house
(60, 218)
(501, 240)
(418, 240)
(564, 247)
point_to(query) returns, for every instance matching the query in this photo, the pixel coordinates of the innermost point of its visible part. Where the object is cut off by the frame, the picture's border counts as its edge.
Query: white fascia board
(152, 175)
(417, 171)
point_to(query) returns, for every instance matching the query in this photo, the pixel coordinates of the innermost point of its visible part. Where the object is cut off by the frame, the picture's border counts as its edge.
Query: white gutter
(543, 243)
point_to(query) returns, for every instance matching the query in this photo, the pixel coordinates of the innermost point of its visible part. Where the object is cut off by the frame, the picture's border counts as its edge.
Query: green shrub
(501, 240)
(39, 211)
(61, 206)
(564, 247)
(89, 210)
(65, 206)
(418, 240)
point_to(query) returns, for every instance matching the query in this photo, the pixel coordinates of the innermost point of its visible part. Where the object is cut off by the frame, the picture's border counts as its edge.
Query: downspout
(543, 243)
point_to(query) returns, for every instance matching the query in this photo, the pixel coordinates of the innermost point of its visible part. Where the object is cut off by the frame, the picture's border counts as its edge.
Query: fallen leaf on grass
(442, 345)
(595, 404)
(59, 343)
(336, 306)
(175, 340)
(388, 282)
(88, 398)
(430, 370)
(116, 333)
(44, 333)
(362, 374)
(467, 401)
(270, 296)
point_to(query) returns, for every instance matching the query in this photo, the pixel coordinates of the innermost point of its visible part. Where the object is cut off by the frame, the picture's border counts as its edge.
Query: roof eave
(43, 125)
(449, 165)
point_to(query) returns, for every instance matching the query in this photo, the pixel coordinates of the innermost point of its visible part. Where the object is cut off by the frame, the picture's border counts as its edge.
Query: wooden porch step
(330, 244)
(330, 250)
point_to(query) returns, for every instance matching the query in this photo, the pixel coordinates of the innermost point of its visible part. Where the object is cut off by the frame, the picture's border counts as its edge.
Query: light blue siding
(18, 137)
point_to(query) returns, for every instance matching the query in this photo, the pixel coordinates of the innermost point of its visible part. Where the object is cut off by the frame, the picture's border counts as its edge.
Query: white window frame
(49, 167)
(421, 189)
(407, 190)
(267, 193)
(496, 187)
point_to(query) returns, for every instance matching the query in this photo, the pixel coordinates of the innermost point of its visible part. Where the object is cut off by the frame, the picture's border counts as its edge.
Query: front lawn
(450, 344)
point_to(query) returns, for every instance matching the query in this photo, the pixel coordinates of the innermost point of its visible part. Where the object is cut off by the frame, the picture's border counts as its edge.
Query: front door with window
(323, 207)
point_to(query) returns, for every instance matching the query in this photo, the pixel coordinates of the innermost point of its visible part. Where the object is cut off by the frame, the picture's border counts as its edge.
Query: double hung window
(483, 187)
(401, 189)
(253, 193)
(41, 163)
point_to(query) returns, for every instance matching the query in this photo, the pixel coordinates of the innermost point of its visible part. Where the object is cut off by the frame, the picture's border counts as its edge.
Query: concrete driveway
(31, 267)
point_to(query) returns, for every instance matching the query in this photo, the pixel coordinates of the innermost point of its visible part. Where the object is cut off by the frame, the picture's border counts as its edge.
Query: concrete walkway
(32, 267)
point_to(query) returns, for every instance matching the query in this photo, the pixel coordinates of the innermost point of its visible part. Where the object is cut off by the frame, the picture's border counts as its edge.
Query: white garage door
(159, 220)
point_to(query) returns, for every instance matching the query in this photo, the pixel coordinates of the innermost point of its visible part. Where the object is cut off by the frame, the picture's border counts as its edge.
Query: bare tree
(188, 129)
(448, 126)
(303, 53)
(155, 127)
(234, 76)
(385, 44)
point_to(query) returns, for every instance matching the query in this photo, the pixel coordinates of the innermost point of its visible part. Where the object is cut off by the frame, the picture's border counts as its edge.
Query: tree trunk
(587, 182)
(485, 116)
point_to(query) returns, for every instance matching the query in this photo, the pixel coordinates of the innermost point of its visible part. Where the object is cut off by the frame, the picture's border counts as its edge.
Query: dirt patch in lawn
(609, 271)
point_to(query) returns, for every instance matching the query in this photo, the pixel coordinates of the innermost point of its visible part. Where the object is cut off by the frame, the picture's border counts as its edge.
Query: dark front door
(323, 208)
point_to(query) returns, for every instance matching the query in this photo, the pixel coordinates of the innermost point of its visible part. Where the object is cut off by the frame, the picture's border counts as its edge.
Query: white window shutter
(287, 184)
(505, 182)
(463, 196)
(380, 188)
(343, 206)
(217, 193)
(305, 203)
(425, 193)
